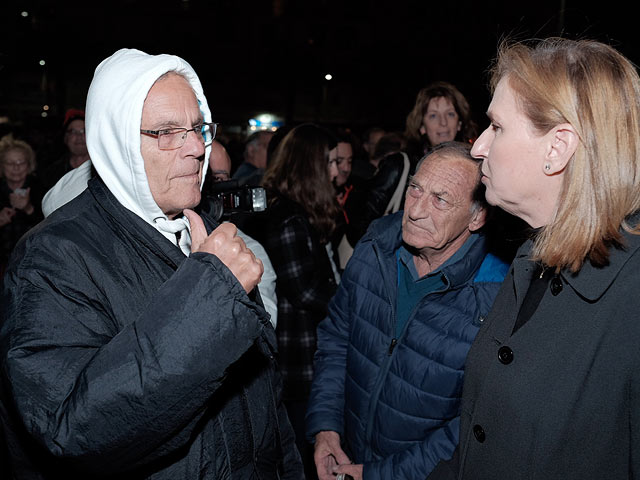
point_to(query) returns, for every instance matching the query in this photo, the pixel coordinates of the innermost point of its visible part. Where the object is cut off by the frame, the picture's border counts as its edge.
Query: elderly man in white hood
(130, 341)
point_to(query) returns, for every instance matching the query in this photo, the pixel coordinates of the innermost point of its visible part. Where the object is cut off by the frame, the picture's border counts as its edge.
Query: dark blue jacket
(396, 401)
(122, 358)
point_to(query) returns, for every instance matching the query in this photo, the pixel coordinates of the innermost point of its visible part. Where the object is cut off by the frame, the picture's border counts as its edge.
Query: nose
(418, 208)
(480, 147)
(193, 144)
(443, 120)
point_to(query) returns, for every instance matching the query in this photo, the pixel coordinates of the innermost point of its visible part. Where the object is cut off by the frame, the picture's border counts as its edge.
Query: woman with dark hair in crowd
(300, 220)
(552, 382)
(20, 194)
(441, 114)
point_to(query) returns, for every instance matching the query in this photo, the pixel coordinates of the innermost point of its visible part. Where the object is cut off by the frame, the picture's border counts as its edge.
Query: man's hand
(228, 247)
(328, 455)
(6, 214)
(354, 470)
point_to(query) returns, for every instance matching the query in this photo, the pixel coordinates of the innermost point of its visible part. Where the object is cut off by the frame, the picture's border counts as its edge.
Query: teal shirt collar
(406, 257)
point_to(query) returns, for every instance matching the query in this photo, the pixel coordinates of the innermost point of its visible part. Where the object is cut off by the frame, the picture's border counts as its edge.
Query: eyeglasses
(174, 138)
(79, 132)
(16, 164)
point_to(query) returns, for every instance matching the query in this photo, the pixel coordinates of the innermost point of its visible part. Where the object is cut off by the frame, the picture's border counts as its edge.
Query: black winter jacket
(122, 358)
(370, 198)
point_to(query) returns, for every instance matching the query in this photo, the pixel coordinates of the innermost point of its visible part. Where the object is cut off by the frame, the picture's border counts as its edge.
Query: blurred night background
(272, 56)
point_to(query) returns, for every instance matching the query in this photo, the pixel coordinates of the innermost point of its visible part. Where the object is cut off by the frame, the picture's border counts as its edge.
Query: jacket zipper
(394, 342)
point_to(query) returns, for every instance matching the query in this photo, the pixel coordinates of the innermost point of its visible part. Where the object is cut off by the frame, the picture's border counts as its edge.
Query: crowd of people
(435, 302)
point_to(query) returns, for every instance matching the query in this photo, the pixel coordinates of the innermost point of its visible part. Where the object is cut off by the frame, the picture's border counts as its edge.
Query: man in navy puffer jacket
(388, 371)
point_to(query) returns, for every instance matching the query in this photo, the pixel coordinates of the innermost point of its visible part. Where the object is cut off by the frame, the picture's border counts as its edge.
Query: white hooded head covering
(113, 115)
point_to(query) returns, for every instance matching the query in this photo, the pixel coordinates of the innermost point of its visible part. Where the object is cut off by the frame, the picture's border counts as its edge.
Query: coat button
(556, 286)
(478, 432)
(505, 355)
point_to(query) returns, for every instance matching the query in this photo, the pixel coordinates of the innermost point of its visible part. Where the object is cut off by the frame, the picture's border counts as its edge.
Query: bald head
(219, 162)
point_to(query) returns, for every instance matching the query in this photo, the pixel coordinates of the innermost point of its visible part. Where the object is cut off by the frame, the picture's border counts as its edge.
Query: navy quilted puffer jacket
(396, 401)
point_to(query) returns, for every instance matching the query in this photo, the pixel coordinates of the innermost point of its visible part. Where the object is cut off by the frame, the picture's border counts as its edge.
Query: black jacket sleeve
(369, 199)
(108, 393)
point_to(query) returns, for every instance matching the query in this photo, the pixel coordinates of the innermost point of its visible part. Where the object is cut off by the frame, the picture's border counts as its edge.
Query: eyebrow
(492, 116)
(174, 123)
(440, 193)
(448, 109)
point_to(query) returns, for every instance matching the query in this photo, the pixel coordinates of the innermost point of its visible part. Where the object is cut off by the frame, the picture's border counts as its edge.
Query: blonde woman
(552, 383)
(20, 194)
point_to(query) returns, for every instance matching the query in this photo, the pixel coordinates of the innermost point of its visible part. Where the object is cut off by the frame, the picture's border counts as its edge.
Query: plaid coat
(304, 287)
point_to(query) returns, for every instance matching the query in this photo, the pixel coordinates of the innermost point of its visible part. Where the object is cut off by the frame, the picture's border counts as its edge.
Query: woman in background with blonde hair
(20, 194)
(552, 382)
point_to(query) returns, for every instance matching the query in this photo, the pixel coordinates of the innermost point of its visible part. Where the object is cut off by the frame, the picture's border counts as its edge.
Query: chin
(190, 200)
(490, 197)
(195, 201)
(413, 240)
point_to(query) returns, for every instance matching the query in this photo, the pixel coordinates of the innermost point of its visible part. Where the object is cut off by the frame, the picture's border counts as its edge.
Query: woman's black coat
(560, 397)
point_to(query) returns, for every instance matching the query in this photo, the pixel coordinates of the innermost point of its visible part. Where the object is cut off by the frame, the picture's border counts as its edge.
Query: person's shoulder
(492, 270)
(385, 225)
(283, 208)
(69, 224)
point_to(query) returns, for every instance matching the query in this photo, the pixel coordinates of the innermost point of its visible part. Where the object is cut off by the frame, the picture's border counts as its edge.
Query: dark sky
(272, 55)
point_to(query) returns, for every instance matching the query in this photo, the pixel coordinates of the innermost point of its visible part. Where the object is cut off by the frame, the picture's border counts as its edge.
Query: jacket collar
(590, 282)
(136, 227)
(386, 235)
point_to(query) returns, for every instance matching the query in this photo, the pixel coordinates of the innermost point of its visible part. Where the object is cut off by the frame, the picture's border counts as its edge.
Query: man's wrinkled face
(438, 209)
(174, 176)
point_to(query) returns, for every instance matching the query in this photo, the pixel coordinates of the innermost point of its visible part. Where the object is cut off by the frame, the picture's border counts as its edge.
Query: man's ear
(478, 218)
(563, 141)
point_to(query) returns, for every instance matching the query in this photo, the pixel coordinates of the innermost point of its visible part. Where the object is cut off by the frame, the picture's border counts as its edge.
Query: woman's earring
(547, 167)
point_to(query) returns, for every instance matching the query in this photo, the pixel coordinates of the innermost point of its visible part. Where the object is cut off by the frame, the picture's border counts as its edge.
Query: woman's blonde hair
(597, 90)
(8, 143)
